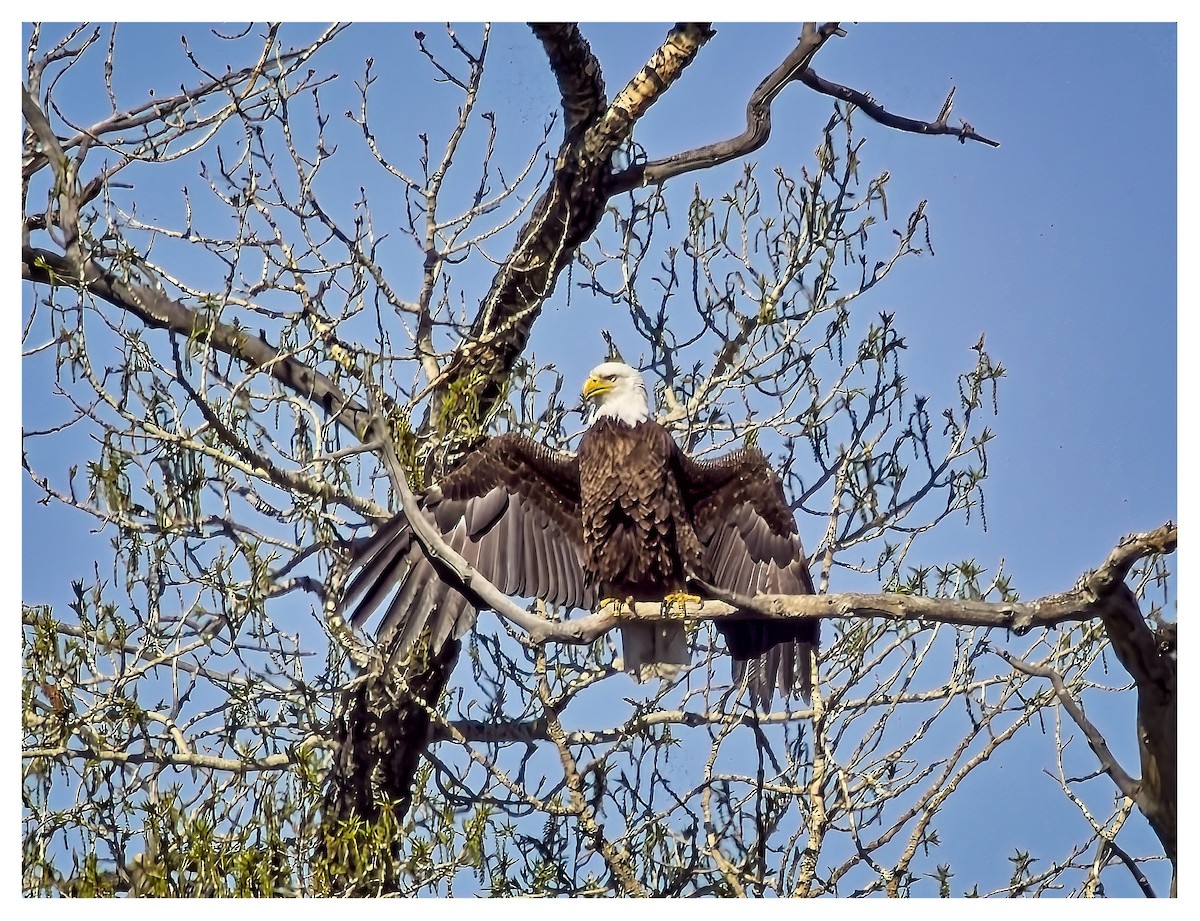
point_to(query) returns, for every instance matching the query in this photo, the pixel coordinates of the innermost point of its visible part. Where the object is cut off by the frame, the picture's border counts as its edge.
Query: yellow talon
(620, 606)
(683, 599)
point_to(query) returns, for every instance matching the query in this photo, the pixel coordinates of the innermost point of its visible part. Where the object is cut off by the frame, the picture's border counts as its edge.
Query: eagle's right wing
(511, 509)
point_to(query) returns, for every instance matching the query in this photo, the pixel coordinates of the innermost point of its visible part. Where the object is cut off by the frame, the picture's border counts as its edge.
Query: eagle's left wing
(751, 546)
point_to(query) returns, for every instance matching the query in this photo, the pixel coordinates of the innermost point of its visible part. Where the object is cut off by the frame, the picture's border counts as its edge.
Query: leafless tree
(248, 369)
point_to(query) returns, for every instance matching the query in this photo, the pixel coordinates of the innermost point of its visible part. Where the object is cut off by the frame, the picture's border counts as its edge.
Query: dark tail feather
(772, 655)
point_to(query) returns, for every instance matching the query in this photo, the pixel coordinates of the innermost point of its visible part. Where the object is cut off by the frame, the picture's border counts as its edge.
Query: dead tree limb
(867, 103)
(794, 68)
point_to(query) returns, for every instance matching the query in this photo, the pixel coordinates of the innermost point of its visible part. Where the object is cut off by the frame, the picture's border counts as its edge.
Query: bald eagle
(629, 516)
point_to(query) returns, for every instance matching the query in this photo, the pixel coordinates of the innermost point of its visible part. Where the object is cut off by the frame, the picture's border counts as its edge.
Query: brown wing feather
(751, 547)
(511, 509)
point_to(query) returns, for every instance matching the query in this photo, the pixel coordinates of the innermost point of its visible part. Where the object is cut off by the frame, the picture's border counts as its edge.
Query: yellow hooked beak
(595, 386)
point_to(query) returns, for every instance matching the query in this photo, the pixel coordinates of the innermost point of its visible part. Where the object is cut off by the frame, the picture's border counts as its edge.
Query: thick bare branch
(795, 67)
(1133, 548)
(1155, 794)
(1154, 671)
(566, 215)
(575, 68)
(1093, 595)
(1079, 604)
(665, 66)
(1111, 848)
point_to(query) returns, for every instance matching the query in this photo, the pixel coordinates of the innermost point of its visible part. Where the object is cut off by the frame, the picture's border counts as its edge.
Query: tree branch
(1079, 604)
(758, 120)
(1111, 847)
(795, 67)
(277, 762)
(449, 562)
(877, 112)
(1131, 549)
(1108, 763)
(1153, 670)
(161, 110)
(566, 215)
(159, 311)
(575, 68)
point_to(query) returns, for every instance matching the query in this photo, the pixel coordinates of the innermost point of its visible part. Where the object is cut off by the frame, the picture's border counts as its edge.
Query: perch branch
(1079, 604)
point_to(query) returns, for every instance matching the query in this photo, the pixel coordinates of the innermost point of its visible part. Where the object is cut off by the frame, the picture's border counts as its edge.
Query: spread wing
(751, 546)
(511, 509)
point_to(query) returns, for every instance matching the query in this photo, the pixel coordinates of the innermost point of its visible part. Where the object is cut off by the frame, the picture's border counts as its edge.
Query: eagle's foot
(620, 607)
(683, 599)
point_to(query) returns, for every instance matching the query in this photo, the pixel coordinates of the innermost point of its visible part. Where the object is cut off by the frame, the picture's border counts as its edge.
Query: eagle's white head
(617, 390)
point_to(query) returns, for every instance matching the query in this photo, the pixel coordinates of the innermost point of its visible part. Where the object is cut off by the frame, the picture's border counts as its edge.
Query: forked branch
(1108, 762)
(795, 67)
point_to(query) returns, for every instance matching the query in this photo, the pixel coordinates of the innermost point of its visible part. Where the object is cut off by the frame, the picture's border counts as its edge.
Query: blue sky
(1060, 245)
